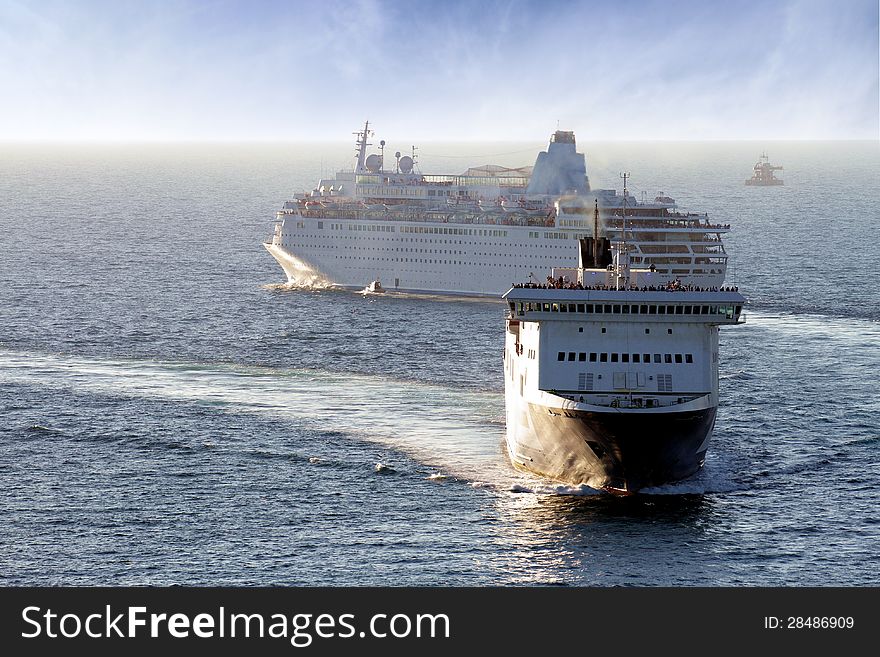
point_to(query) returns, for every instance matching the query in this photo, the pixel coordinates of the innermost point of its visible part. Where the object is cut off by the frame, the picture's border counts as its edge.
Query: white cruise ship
(611, 377)
(477, 232)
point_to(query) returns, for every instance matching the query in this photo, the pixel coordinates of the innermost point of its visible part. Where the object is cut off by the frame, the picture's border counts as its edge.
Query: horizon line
(309, 140)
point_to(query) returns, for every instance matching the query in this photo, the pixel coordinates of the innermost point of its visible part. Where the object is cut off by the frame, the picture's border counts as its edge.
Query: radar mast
(362, 144)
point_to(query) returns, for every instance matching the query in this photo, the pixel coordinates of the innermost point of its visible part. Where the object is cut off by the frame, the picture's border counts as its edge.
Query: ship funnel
(560, 169)
(594, 253)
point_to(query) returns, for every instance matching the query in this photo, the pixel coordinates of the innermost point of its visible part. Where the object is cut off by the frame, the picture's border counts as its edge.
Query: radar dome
(374, 163)
(406, 164)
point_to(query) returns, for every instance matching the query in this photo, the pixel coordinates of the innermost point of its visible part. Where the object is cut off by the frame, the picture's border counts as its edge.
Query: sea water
(171, 412)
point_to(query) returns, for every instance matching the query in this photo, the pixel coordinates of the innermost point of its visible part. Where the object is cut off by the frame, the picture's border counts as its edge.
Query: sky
(438, 70)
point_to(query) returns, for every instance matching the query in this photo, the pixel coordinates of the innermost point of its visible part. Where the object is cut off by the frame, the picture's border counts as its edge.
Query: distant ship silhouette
(763, 175)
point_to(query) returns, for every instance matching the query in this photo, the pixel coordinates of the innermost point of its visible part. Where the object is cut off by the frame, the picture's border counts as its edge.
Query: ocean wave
(737, 375)
(40, 428)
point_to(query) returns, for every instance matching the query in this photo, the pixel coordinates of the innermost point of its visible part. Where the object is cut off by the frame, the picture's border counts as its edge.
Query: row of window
(604, 357)
(547, 235)
(389, 192)
(442, 230)
(428, 230)
(334, 239)
(373, 180)
(367, 227)
(625, 309)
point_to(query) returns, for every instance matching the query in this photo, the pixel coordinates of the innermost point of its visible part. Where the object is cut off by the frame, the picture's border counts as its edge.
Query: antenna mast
(622, 268)
(362, 146)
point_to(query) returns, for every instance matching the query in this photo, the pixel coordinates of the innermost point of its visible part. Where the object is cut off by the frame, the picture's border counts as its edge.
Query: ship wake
(457, 432)
(450, 430)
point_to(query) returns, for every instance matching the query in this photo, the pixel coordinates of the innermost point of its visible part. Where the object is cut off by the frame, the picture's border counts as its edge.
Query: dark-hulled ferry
(611, 373)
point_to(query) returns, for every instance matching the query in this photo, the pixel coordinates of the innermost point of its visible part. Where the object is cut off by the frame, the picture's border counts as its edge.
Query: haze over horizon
(461, 71)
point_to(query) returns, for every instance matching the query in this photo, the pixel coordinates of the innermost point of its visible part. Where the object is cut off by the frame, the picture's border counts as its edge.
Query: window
(637, 358)
(571, 355)
(657, 358)
(592, 356)
(677, 358)
(661, 310)
(669, 331)
(603, 357)
(572, 308)
(582, 357)
(561, 356)
(687, 310)
(644, 310)
(646, 358)
(616, 309)
(647, 331)
(598, 308)
(589, 308)
(580, 307)
(688, 358)
(608, 308)
(613, 358)
(668, 358)
(624, 358)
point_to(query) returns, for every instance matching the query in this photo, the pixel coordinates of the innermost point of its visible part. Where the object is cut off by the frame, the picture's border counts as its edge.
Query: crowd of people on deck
(676, 285)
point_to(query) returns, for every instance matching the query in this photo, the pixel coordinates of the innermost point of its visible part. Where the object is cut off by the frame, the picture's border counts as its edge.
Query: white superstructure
(477, 232)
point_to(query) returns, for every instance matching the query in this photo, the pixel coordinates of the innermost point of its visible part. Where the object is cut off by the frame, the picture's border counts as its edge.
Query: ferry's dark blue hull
(618, 450)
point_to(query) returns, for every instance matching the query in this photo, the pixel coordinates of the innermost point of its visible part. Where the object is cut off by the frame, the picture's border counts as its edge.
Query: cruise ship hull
(484, 267)
(620, 451)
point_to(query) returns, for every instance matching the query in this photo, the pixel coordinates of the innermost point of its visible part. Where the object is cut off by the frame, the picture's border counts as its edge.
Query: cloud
(502, 70)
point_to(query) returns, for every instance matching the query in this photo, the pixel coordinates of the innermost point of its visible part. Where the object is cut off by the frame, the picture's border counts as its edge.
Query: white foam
(564, 489)
(304, 283)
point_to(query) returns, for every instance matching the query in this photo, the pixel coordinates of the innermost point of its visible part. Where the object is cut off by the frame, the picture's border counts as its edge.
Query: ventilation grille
(585, 381)
(664, 383)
